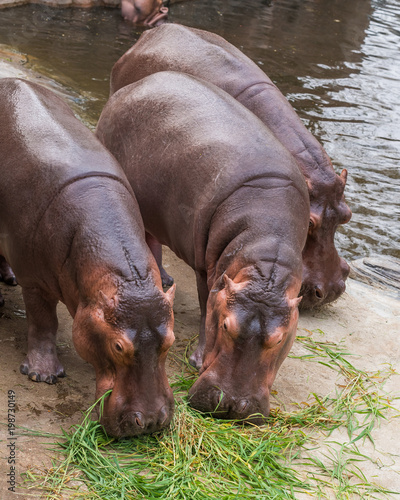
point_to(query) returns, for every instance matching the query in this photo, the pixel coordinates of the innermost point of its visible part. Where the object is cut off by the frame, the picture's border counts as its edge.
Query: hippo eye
(314, 222)
(118, 347)
(230, 327)
(311, 226)
(275, 338)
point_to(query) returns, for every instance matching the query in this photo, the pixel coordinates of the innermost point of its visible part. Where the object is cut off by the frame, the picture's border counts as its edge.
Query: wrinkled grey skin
(214, 185)
(210, 57)
(70, 228)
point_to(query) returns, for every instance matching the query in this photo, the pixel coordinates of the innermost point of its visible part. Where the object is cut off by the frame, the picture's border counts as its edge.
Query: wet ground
(368, 321)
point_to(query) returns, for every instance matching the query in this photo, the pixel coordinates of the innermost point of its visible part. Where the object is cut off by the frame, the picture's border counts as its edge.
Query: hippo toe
(42, 371)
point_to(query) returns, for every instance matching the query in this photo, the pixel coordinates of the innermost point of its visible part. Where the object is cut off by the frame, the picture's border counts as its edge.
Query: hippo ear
(107, 305)
(342, 181)
(232, 287)
(170, 294)
(314, 223)
(343, 176)
(106, 302)
(295, 302)
(229, 285)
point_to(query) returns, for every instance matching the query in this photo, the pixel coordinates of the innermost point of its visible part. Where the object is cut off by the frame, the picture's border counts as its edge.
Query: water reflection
(360, 123)
(77, 47)
(337, 62)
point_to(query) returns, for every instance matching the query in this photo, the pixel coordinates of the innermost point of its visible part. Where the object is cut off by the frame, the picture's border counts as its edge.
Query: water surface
(337, 62)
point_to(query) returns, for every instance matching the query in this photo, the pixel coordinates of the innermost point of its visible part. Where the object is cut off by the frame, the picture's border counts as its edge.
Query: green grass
(199, 457)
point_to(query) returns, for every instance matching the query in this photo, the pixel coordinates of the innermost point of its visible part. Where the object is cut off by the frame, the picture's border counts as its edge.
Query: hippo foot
(11, 280)
(6, 274)
(196, 359)
(166, 279)
(36, 373)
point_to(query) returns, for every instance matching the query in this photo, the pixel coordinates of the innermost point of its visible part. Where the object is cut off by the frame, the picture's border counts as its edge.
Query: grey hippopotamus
(70, 228)
(144, 12)
(215, 186)
(210, 57)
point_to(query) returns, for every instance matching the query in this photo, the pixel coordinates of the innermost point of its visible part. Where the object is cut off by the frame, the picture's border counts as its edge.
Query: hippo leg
(196, 359)
(156, 250)
(6, 272)
(41, 363)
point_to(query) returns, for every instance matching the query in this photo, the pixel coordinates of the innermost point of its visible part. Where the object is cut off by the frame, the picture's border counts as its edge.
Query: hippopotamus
(145, 12)
(210, 57)
(6, 275)
(70, 228)
(215, 186)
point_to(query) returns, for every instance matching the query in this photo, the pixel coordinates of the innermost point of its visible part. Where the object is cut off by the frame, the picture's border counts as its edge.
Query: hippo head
(249, 333)
(125, 334)
(145, 12)
(324, 272)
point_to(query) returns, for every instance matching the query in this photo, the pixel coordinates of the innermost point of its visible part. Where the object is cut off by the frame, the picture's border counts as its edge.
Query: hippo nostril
(318, 293)
(163, 415)
(243, 406)
(139, 420)
(345, 269)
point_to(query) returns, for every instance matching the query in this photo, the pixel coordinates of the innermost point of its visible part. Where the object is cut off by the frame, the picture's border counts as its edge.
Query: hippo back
(210, 57)
(44, 148)
(172, 47)
(186, 146)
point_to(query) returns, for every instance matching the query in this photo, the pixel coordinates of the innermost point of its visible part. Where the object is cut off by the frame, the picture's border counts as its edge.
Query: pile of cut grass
(200, 457)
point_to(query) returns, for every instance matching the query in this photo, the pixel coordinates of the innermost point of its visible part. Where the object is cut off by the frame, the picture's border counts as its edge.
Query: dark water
(337, 61)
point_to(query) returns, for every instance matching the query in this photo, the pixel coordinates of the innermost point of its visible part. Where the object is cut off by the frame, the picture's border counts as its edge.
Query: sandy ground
(367, 319)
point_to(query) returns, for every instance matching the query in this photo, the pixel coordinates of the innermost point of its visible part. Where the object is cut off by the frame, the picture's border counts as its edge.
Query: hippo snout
(317, 293)
(320, 294)
(222, 404)
(325, 295)
(134, 423)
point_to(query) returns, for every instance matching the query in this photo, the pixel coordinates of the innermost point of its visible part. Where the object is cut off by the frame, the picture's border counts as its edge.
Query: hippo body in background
(233, 206)
(210, 57)
(145, 12)
(71, 230)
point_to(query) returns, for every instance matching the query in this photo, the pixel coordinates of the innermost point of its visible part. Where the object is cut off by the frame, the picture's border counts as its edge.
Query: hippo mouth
(240, 409)
(136, 423)
(206, 396)
(157, 18)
